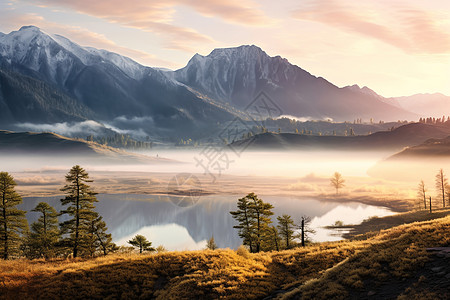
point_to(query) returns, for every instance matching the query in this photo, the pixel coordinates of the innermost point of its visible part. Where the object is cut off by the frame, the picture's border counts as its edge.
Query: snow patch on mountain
(32, 47)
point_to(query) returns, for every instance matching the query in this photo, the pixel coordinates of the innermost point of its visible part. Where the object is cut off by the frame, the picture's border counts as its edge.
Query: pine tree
(273, 239)
(211, 244)
(44, 235)
(100, 239)
(244, 216)
(80, 200)
(12, 220)
(141, 242)
(286, 228)
(253, 216)
(261, 221)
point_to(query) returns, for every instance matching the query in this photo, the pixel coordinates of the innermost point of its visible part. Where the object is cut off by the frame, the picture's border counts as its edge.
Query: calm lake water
(178, 225)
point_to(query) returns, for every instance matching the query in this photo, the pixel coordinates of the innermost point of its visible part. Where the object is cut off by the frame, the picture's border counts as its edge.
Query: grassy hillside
(51, 145)
(390, 264)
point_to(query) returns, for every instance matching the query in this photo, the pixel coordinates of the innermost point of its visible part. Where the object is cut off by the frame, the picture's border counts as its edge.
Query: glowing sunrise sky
(396, 47)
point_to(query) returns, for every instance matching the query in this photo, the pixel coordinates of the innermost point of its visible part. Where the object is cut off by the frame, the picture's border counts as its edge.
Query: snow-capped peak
(29, 44)
(16, 44)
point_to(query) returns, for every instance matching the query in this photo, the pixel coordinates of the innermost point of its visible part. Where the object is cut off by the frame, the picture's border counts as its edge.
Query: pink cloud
(413, 31)
(236, 11)
(152, 16)
(156, 16)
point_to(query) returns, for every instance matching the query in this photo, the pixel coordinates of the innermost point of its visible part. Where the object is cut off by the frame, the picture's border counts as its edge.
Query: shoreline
(162, 184)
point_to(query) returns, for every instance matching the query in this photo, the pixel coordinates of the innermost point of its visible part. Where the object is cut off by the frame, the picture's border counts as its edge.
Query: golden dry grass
(323, 271)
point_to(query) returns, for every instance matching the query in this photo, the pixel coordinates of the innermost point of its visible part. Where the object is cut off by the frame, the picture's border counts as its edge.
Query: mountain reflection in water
(164, 222)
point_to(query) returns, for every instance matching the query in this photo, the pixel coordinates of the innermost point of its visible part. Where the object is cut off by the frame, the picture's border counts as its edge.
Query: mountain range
(48, 79)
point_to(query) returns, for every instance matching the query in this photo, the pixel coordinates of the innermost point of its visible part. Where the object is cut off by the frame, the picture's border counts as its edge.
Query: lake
(179, 224)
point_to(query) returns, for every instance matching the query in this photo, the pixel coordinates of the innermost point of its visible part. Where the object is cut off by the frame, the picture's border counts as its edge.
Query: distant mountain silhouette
(235, 75)
(395, 140)
(425, 105)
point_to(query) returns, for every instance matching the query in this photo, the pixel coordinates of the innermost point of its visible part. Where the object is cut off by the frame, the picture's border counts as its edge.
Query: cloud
(37, 180)
(151, 16)
(303, 187)
(412, 30)
(158, 16)
(245, 12)
(74, 129)
(304, 119)
(132, 126)
(235, 11)
(80, 36)
(311, 177)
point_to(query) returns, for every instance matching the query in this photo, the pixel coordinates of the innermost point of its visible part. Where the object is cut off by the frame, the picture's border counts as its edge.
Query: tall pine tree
(261, 221)
(12, 220)
(80, 201)
(244, 216)
(286, 229)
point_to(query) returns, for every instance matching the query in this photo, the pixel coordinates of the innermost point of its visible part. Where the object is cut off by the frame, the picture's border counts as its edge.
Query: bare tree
(441, 185)
(447, 192)
(337, 181)
(305, 230)
(421, 193)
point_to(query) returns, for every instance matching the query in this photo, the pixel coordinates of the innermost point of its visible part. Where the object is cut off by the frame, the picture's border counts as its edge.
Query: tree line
(259, 234)
(430, 120)
(119, 140)
(83, 233)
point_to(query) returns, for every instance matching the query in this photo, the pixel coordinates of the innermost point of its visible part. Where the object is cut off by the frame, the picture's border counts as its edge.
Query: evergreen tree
(141, 242)
(244, 216)
(44, 235)
(286, 228)
(253, 216)
(211, 244)
(101, 239)
(80, 200)
(273, 241)
(12, 220)
(261, 212)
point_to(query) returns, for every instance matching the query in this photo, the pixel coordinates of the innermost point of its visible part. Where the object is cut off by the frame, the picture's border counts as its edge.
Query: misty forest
(233, 174)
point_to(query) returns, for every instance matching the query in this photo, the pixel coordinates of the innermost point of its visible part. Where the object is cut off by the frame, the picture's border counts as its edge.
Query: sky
(395, 47)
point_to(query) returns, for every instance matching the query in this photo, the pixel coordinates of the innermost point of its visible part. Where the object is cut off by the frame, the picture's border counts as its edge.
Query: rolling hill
(403, 136)
(59, 147)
